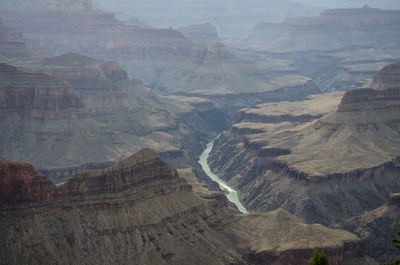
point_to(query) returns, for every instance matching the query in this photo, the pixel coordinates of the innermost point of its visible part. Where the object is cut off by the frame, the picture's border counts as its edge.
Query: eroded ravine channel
(232, 194)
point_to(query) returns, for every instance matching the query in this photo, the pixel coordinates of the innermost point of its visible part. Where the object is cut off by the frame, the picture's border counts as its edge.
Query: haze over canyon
(199, 132)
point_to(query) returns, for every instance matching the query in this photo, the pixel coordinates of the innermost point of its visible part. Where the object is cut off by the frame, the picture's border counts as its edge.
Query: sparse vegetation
(396, 242)
(319, 258)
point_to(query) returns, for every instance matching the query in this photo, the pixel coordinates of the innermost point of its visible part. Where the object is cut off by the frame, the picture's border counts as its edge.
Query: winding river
(232, 194)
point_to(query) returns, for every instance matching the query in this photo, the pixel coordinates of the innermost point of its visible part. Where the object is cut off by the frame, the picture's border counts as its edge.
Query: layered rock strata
(76, 113)
(140, 211)
(164, 59)
(44, 122)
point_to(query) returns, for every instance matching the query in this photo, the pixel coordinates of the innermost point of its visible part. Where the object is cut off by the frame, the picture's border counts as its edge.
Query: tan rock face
(140, 211)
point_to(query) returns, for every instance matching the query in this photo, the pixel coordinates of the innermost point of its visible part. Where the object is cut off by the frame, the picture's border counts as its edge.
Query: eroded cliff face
(20, 183)
(323, 169)
(36, 96)
(140, 211)
(44, 122)
(95, 82)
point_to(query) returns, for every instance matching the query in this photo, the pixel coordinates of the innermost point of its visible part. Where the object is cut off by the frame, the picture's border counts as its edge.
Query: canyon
(325, 159)
(120, 126)
(141, 211)
(164, 59)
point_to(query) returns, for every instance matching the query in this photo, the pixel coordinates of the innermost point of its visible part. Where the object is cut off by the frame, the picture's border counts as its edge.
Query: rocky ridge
(141, 211)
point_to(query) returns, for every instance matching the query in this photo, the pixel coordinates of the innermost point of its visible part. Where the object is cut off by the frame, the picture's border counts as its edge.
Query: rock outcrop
(323, 169)
(140, 211)
(20, 183)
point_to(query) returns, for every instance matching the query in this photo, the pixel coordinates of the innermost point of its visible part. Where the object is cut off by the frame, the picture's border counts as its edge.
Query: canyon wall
(141, 211)
(323, 169)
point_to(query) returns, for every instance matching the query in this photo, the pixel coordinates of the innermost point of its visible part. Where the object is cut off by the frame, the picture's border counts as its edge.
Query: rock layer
(36, 96)
(140, 211)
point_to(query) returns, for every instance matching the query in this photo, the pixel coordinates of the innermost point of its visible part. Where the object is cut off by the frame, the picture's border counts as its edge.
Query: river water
(232, 194)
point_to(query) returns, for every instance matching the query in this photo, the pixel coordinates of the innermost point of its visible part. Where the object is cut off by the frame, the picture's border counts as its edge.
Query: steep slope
(323, 169)
(376, 228)
(338, 49)
(140, 211)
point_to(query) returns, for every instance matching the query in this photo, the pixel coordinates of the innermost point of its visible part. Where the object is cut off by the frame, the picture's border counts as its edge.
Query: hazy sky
(233, 18)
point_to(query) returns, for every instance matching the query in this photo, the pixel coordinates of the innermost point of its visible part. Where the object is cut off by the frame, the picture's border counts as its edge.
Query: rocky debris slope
(140, 211)
(323, 169)
(377, 227)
